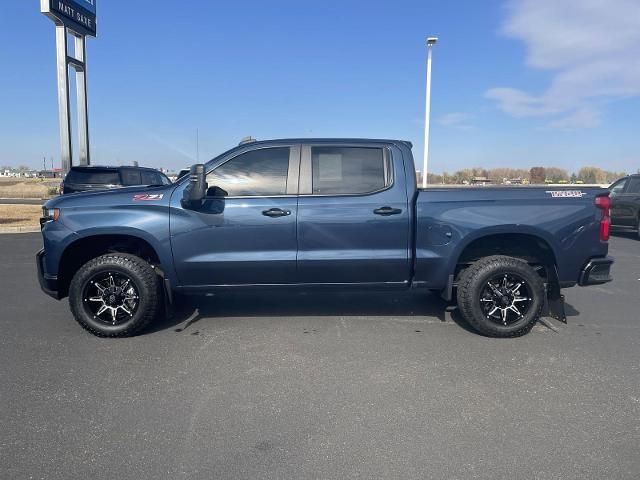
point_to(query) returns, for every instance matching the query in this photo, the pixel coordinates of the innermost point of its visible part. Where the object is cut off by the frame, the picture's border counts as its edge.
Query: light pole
(427, 110)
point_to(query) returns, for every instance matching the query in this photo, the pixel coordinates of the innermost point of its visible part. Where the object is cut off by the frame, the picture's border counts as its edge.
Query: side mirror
(196, 189)
(216, 192)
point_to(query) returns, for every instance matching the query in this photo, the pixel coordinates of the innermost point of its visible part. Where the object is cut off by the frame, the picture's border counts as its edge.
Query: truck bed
(448, 220)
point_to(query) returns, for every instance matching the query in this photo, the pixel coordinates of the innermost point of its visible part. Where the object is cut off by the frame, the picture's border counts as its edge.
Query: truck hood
(118, 196)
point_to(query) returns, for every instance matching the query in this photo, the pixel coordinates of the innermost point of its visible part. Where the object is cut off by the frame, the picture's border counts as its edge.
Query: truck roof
(326, 140)
(110, 167)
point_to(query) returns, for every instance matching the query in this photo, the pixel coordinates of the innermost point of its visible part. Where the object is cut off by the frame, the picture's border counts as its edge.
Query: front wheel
(115, 295)
(501, 296)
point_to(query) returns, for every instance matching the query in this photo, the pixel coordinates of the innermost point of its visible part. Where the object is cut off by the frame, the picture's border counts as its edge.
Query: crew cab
(322, 213)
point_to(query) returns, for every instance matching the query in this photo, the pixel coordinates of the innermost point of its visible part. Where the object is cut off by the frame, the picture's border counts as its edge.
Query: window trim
(306, 170)
(292, 170)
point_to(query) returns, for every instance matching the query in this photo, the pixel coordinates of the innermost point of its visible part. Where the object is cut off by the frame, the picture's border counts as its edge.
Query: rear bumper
(48, 283)
(597, 271)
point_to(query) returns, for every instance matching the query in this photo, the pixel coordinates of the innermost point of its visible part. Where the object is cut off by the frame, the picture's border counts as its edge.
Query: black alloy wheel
(111, 297)
(505, 299)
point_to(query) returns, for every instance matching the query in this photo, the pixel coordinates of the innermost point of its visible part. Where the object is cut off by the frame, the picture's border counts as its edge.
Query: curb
(19, 230)
(23, 201)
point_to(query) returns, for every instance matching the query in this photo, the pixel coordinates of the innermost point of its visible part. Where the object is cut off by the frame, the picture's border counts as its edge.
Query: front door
(247, 237)
(353, 216)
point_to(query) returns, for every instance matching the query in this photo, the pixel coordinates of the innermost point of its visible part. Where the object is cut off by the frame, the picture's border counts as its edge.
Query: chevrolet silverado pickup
(318, 213)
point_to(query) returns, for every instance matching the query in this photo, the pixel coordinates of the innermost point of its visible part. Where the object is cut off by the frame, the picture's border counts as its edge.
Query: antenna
(197, 146)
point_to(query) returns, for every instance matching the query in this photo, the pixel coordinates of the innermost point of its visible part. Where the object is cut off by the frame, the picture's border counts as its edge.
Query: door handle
(386, 211)
(276, 212)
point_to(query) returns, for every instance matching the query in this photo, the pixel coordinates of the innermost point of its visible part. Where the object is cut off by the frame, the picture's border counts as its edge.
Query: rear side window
(348, 170)
(634, 185)
(95, 177)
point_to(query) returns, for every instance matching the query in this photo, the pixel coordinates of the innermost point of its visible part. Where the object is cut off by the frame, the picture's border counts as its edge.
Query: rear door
(249, 236)
(353, 216)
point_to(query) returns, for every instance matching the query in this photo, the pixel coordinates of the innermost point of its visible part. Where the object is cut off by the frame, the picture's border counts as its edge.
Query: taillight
(604, 203)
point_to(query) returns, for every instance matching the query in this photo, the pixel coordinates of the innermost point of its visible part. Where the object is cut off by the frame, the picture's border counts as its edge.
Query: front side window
(152, 178)
(257, 173)
(348, 170)
(618, 187)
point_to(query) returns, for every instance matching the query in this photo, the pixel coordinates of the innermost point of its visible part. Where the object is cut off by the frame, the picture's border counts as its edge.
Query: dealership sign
(75, 20)
(77, 15)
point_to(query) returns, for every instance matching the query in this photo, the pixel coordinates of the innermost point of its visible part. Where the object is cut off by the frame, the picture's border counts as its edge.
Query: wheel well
(530, 248)
(85, 249)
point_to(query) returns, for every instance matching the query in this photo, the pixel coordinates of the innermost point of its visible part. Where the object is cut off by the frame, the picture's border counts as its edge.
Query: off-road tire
(473, 279)
(147, 283)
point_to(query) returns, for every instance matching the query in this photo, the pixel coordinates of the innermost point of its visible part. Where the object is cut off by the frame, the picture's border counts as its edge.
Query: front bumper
(597, 271)
(48, 283)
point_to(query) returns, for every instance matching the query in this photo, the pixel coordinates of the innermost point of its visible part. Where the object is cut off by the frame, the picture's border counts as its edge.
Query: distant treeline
(497, 175)
(533, 175)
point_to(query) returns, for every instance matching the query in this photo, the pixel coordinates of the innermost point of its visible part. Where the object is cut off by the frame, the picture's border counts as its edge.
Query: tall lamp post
(431, 41)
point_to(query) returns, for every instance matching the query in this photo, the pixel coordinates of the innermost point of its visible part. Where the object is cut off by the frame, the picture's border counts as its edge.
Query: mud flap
(167, 293)
(554, 300)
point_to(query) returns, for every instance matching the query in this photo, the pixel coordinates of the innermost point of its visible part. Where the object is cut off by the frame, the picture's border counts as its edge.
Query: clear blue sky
(515, 83)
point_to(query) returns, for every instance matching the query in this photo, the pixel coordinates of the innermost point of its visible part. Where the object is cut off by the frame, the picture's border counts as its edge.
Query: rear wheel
(115, 295)
(501, 296)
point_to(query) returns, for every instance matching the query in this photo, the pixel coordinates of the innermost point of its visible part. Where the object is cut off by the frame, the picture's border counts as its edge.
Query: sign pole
(77, 18)
(63, 97)
(81, 86)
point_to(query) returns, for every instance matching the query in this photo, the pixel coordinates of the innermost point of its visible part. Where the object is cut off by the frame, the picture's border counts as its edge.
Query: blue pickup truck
(321, 213)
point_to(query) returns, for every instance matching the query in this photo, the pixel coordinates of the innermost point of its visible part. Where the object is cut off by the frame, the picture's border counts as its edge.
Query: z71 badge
(566, 193)
(147, 197)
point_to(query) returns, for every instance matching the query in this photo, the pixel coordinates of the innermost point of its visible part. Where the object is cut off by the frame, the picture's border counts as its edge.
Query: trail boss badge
(566, 193)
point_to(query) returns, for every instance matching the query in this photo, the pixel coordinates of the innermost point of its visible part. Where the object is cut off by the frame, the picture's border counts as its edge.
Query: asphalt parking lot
(319, 386)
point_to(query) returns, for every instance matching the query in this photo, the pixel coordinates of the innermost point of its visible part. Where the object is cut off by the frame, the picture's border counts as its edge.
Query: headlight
(49, 215)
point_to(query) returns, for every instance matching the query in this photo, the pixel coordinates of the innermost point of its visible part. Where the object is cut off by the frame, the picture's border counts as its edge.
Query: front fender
(146, 222)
